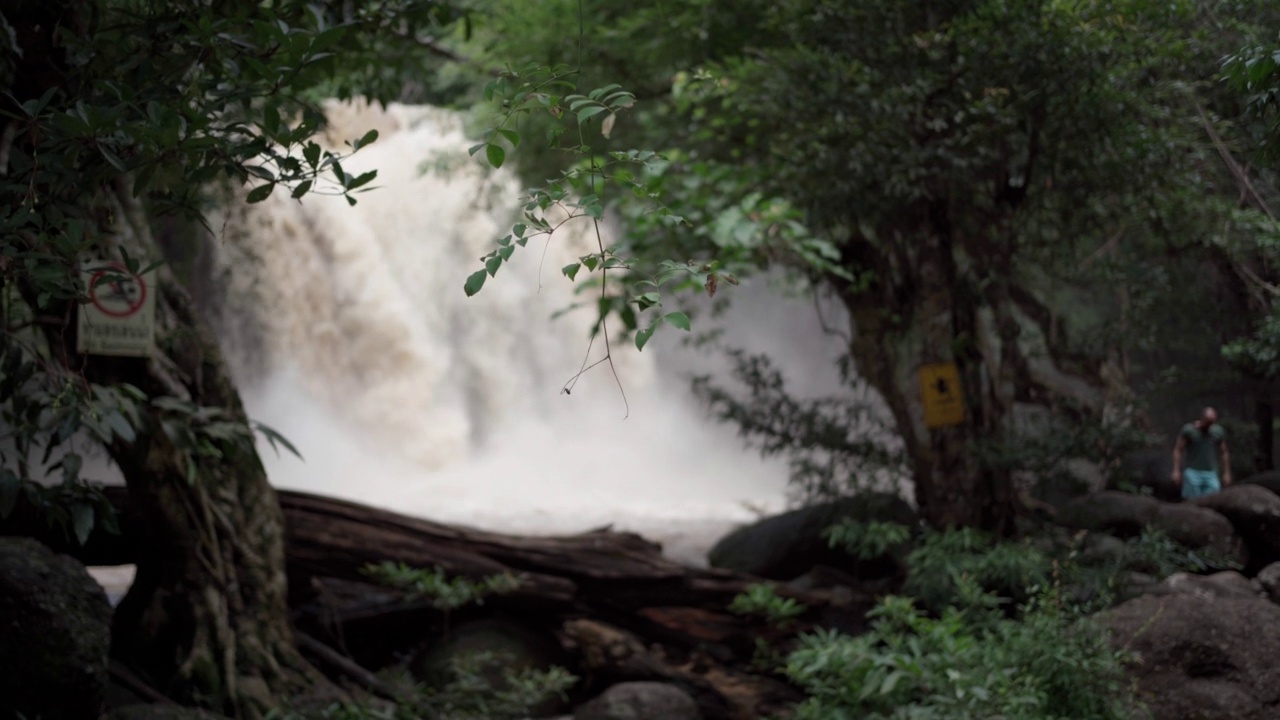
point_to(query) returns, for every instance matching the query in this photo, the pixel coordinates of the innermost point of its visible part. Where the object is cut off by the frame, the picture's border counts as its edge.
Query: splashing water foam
(348, 331)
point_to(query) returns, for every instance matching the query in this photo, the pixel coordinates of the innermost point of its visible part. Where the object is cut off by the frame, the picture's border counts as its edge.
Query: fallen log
(600, 576)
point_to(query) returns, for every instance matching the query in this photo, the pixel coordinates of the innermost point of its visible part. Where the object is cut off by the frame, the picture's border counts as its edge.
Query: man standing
(1201, 442)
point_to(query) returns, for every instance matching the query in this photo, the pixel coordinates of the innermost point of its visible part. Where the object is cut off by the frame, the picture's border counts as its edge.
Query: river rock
(640, 701)
(1201, 657)
(1269, 480)
(1268, 579)
(55, 630)
(786, 546)
(1255, 513)
(1226, 584)
(1126, 514)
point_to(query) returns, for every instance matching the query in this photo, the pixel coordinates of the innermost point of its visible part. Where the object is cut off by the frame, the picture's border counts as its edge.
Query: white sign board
(120, 317)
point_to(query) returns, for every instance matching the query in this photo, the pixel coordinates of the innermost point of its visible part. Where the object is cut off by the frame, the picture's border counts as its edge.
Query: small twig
(822, 321)
(1106, 247)
(1237, 170)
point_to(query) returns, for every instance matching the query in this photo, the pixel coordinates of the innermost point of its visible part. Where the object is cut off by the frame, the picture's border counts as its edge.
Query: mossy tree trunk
(206, 619)
(940, 296)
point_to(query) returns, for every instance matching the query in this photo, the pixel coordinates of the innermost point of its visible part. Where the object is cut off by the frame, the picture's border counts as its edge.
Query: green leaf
(475, 281)
(275, 438)
(71, 464)
(492, 265)
(302, 189)
(589, 112)
(679, 319)
(648, 300)
(368, 138)
(260, 193)
(518, 230)
(512, 136)
(642, 337)
(120, 426)
(112, 158)
(362, 179)
(311, 153)
(82, 520)
(571, 270)
(495, 155)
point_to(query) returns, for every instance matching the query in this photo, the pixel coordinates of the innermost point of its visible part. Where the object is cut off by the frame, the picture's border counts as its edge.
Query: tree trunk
(206, 619)
(932, 303)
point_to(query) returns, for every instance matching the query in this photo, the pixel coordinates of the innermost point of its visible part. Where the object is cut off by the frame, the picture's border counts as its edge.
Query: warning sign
(941, 394)
(120, 317)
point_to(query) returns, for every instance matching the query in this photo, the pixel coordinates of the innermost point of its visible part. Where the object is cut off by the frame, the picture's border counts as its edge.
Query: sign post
(941, 395)
(120, 317)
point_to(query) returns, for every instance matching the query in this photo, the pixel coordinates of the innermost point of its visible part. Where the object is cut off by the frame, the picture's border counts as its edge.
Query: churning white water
(348, 331)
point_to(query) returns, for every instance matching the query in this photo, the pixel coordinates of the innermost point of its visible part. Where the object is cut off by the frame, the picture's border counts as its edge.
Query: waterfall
(347, 330)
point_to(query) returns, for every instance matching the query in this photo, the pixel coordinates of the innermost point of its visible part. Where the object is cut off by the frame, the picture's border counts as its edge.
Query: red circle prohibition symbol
(119, 291)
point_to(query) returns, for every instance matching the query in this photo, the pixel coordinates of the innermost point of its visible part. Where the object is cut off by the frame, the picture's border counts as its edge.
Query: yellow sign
(940, 392)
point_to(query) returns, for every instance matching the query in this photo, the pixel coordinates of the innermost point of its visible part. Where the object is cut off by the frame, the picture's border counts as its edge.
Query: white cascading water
(348, 331)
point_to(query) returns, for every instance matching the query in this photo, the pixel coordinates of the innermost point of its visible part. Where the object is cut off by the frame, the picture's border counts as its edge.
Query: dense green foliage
(1023, 208)
(970, 662)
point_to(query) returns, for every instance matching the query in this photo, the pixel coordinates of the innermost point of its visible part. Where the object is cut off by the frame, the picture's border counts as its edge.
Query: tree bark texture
(940, 297)
(206, 620)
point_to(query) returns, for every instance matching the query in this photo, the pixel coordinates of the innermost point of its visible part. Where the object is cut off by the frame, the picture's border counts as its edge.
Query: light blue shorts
(1198, 483)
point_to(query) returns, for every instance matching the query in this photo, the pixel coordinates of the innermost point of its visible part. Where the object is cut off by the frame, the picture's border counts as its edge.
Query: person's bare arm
(1178, 447)
(1226, 464)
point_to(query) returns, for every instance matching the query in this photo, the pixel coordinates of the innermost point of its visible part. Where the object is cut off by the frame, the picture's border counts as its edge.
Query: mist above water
(348, 331)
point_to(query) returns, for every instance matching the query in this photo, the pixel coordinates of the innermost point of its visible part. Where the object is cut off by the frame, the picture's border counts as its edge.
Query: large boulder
(1127, 514)
(1226, 584)
(55, 630)
(786, 546)
(640, 701)
(1199, 656)
(1255, 513)
(1269, 480)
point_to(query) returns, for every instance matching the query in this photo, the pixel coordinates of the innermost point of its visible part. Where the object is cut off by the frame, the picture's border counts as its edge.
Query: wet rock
(55, 630)
(1268, 578)
(1201, 657)
(1227, 584)
(1126, 514)
(786, 546)
(1254, 511)
(640, 701)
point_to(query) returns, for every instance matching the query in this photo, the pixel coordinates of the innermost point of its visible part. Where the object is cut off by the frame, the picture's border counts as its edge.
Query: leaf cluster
(966, 663)
(435, 585)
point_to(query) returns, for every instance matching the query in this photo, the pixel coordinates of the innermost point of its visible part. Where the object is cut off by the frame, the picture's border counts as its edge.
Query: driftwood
(606, 591)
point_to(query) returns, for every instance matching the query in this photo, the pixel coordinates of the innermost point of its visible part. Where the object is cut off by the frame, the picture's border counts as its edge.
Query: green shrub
(966, 664)
(763, 601)
(867, 540)
(941, 560)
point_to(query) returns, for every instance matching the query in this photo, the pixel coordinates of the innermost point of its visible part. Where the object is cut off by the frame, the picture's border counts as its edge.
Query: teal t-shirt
(1202, 448)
